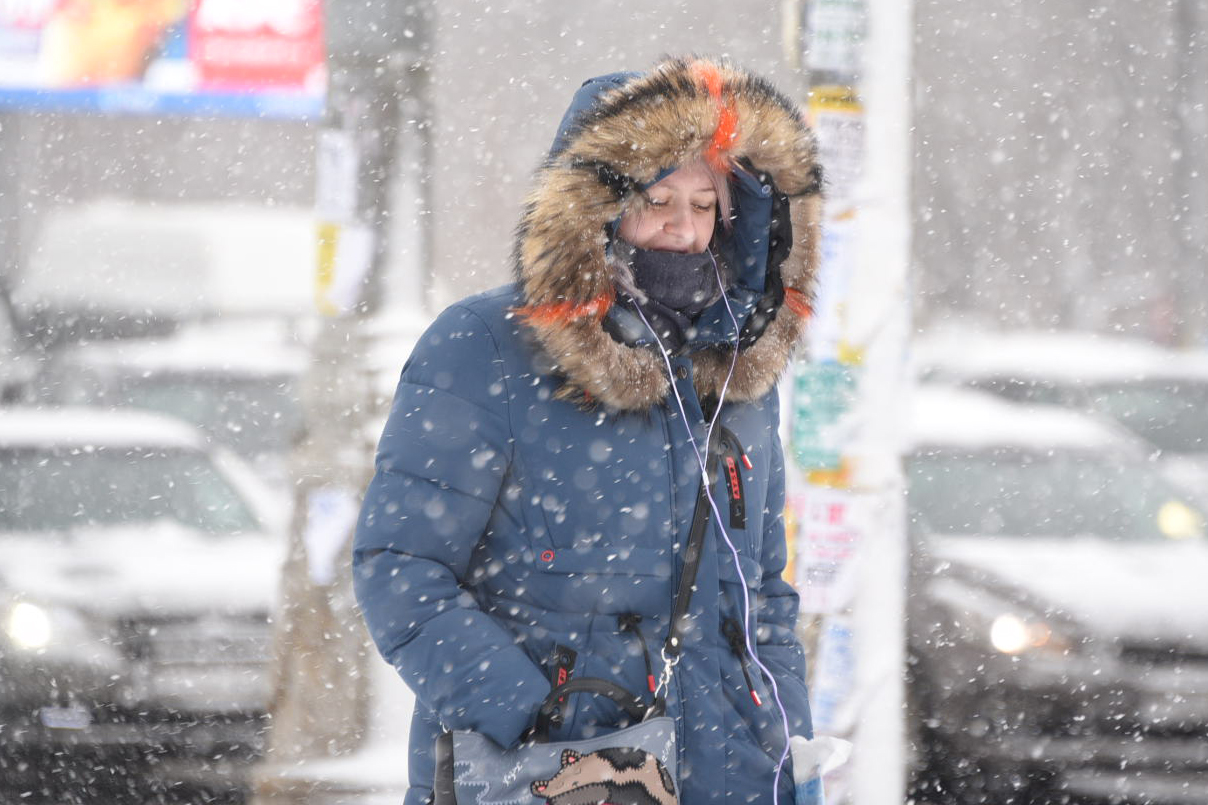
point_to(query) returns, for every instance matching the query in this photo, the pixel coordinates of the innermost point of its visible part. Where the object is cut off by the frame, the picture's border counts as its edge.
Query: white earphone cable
(746, 600)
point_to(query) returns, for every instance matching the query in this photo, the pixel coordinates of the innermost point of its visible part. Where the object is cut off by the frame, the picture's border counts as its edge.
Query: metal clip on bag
(632, 766)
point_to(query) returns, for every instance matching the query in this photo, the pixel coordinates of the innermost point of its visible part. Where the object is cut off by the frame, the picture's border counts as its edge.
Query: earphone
(746, 598)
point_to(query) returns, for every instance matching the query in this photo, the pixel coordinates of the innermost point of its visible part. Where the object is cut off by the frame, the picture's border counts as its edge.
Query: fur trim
(682, 110)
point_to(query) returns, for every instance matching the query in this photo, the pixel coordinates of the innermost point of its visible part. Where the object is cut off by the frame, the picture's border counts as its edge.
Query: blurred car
(1058, 610)
(238, 382)
(1159, 394)
(138, 568)
(17, 365)
(110, 268)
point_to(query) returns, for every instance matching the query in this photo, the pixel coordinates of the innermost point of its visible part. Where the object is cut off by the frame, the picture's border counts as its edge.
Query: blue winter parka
(535, 481)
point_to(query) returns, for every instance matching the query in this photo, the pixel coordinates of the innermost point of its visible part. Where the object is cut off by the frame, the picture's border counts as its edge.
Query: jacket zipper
(628, 622)
(732, 630)
(732, 454)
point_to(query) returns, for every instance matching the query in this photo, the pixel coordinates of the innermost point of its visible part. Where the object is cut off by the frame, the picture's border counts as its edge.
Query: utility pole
(10, 202)
(848, 399)
(1188, 170)
(325, 668)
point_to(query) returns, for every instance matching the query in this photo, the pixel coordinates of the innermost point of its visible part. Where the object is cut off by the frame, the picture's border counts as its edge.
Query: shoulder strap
(692, 555)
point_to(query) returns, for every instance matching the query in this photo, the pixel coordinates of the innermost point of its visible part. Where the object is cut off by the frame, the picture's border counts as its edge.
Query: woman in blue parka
(536, 482)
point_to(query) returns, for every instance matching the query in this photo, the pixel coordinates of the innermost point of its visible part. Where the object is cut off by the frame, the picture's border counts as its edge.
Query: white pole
(880, 318)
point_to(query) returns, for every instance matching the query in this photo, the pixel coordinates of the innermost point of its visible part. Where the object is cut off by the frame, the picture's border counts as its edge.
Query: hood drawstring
(732, 630)
(628, 622)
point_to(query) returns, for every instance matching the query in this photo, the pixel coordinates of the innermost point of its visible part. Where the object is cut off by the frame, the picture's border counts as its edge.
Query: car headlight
(991, 620)
(29, 626)
(56, 634)
(1178, 521)
(1012, 634)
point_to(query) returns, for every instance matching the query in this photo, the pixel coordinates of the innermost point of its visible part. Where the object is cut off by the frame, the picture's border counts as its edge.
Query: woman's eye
(654, 202)
(703, 207)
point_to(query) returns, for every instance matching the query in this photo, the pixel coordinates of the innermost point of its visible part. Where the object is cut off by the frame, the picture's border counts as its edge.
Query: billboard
(205, 57)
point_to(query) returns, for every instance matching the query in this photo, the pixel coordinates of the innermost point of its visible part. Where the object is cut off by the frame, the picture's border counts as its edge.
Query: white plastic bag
(812, 760)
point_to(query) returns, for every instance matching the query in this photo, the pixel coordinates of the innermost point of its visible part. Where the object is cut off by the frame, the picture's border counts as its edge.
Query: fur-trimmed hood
(629, 132)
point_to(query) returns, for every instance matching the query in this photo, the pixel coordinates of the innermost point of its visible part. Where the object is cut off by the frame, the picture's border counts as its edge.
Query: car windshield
(62, 490)
(1035, 494)
(1037, 392)
(251, 415)
(1171, 414)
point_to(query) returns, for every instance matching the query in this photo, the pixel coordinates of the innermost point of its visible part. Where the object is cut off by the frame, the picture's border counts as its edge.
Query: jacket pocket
(732, 464)
(754, 713)
(608, 561)
(738, 493)
(747, 570)
(605, 580)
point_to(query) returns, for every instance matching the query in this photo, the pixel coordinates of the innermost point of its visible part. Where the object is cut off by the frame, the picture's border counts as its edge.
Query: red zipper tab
(755, 698)
(746, 462)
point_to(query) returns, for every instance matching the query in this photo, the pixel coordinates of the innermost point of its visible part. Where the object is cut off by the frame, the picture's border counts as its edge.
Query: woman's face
(679, 217)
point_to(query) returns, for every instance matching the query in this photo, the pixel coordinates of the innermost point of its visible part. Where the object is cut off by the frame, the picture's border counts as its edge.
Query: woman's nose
(679, 221)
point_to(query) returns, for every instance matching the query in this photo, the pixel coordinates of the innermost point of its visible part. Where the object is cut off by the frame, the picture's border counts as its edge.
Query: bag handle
(550, 713)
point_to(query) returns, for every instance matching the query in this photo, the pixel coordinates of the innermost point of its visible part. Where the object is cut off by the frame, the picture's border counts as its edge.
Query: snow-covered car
(109, 268)
(1159, 394)
(1058, 610)
(17, 365)
(238, 381)
(138, 569)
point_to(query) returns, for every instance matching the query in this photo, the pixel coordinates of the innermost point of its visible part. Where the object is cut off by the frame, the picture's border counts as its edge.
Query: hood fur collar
(680, 111)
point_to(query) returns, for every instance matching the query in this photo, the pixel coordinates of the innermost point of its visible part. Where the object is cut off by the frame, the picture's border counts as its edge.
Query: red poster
(268, 43)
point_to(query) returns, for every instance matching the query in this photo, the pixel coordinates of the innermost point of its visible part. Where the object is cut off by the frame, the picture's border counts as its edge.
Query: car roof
(1056, 356)
(29, 427)
(251, 348)
(944, 417)
(177, 260)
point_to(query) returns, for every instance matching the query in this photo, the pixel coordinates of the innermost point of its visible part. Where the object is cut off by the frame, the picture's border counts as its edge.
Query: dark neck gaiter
(685, 283)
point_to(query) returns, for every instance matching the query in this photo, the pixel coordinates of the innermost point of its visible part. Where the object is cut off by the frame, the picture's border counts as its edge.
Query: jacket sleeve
(440, 466)
(779, 648)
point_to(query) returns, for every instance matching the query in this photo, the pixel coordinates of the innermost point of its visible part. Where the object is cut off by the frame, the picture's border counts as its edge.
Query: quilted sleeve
(440, 465)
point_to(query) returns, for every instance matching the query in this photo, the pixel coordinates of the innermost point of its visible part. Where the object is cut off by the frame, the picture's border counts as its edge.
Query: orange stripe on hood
(798, 302)
(716, 154)
(556, 314)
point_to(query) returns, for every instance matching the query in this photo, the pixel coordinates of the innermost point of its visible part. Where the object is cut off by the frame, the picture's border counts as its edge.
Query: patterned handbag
(632, 766)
